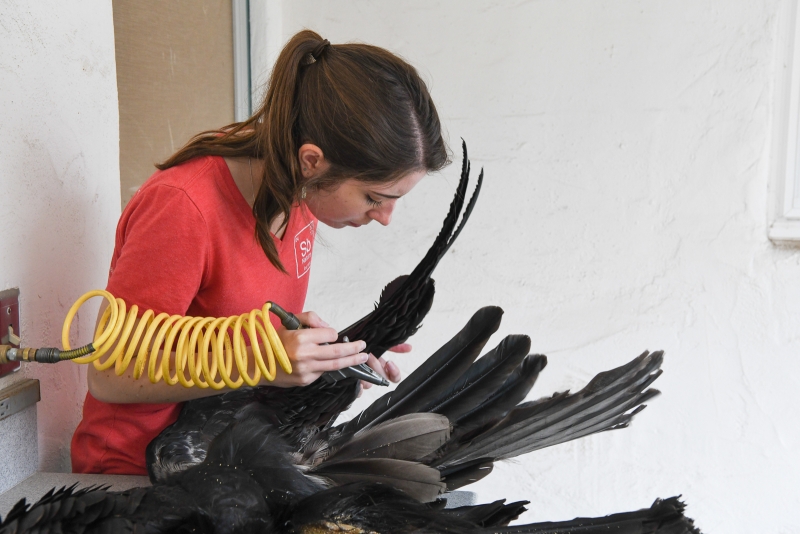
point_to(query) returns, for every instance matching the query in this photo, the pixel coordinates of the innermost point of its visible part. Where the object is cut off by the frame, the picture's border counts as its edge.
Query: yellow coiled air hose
(205, 351)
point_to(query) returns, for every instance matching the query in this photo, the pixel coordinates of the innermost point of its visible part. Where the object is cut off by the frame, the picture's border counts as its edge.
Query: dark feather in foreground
(665, 516)
(381, 509)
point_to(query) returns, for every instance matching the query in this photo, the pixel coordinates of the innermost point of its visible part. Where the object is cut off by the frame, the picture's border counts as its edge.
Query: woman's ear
(312, 161)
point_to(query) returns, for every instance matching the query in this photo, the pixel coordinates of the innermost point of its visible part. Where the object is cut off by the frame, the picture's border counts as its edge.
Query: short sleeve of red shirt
(164, 256)
(185, 245)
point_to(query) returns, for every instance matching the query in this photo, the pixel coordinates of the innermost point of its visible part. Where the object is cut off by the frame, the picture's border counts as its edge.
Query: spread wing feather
(602, 405)
(484, 378)
(409, 437)
(437, 372)
(419, 481)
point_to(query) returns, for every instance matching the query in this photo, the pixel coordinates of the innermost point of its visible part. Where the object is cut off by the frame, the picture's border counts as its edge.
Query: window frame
(784, 213)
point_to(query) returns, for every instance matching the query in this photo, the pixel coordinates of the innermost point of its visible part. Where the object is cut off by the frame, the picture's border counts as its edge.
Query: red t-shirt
(186, 245)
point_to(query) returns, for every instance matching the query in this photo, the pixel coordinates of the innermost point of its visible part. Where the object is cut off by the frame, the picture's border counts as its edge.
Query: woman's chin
(334, 224)
(340, 224)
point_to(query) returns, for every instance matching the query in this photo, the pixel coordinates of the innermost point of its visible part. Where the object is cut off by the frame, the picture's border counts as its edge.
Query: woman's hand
(309, 354)
(385, 368)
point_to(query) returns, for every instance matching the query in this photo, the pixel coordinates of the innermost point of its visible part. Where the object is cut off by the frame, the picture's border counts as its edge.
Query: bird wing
(422, 387)
(608, 402)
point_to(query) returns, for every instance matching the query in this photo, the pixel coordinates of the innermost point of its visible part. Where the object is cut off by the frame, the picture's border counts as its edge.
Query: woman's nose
(383, 214)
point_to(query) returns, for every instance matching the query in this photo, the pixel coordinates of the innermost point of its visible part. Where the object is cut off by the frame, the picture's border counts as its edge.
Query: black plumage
(387, 474)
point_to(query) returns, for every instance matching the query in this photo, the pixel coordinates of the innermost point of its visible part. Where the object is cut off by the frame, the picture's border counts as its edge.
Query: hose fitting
(4, 358)
(9, 353)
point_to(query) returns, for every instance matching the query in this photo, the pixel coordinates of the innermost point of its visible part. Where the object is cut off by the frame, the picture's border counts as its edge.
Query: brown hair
(367, 110)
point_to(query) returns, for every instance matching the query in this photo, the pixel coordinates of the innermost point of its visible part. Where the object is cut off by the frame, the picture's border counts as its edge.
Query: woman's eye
(372, 202)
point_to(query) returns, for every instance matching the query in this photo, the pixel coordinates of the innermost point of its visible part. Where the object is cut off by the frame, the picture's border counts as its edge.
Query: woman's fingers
(318, 335)
(311, 319)
(341, 363)
(386, 369)
(319, 366)
(313, 350)
(337, 350)
(392, 371)
(401, 348)
(376, 365)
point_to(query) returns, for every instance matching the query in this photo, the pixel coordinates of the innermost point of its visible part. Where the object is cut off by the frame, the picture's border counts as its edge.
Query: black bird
(384, 470)
(303, 411)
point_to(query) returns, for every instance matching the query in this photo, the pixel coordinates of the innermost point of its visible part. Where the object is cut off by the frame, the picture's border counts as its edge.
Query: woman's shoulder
(201, 180)
(188, 174)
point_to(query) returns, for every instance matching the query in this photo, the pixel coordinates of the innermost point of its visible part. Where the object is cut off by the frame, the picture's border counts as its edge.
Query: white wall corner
(784, 195)
(266, 42)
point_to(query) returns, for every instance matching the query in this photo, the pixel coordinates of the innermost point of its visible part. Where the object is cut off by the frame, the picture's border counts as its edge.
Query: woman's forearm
(106, 386)
(308, 351)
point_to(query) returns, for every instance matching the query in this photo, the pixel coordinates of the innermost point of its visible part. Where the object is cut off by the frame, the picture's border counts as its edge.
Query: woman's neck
(246, 174)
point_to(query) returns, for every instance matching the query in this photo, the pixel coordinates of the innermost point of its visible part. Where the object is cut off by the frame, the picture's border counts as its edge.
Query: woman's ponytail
(275, 132)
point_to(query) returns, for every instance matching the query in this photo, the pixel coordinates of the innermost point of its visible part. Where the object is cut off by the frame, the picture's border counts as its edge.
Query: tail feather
(663, 517)
(534, 425)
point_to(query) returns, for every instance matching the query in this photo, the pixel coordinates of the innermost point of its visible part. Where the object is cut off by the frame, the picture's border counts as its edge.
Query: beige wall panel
(175, 78)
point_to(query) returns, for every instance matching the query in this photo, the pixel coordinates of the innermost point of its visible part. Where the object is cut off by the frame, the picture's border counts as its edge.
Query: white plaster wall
(59, 187)
(626, 148)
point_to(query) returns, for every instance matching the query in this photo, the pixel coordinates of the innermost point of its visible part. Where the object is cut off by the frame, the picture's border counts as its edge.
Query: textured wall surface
(59, 185)
(19, 436)
(626, 148)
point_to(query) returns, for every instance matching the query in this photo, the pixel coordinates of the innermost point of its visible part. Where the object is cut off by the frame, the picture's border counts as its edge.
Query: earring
(303, 192)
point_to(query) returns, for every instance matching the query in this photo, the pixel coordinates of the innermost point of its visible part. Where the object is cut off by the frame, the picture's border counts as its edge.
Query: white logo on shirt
(303, 245)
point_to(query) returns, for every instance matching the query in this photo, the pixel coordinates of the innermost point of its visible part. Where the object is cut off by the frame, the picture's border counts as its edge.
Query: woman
(344, 131)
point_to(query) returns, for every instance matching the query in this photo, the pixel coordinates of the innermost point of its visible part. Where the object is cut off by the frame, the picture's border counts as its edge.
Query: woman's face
(356, 203)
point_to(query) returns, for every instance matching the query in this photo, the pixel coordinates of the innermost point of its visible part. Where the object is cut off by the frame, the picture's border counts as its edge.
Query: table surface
(36, 485)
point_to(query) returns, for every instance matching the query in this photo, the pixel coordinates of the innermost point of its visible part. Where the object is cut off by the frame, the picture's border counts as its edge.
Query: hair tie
(320, 49)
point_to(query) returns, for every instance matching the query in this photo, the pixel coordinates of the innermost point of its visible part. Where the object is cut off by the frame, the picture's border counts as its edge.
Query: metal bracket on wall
(9, 325)
(19, 396)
